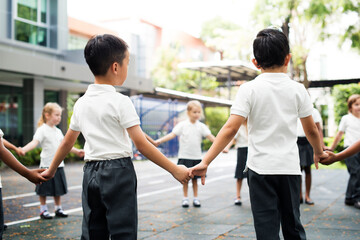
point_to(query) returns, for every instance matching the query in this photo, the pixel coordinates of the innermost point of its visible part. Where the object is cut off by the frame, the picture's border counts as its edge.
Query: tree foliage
(166, 73)
(341, 93)
(344, 13)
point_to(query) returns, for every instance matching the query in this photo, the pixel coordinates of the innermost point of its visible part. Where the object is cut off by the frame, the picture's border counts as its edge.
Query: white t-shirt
(102, 115)
(350, 125)
(272, 102)
(317, 119)
(1, 135)
(241, 137)
(190, 135)
(50, 139)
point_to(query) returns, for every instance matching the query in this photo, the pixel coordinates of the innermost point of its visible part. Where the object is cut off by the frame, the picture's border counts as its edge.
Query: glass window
(30, 22)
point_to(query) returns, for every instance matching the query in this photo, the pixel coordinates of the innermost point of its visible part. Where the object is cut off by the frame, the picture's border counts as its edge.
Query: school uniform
(50, 139)
(241, 144)
(272, 102)
(350, 125)
(306, 152)
(109, 185)
(1, 202)
(191, 135)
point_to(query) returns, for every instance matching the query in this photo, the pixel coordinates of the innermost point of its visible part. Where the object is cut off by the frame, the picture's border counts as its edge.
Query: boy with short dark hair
(107, 119)
(272, 102)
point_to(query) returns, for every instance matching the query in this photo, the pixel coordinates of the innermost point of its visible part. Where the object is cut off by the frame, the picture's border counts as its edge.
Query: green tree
(231, 40)
(340, 94)
(166, 74)
(342, 13)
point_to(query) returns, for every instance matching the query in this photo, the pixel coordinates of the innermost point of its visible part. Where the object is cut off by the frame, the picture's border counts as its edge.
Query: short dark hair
(270, 48)
(103, 50)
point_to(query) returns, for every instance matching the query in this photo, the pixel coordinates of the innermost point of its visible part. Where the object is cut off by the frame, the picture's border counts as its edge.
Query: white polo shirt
(350, 125)
(272, 102)
(190, 135)
(241, 137)
(317, 119)
(50, 139)
(102, 115)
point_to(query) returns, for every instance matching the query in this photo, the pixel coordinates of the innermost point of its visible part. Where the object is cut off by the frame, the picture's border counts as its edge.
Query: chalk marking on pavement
(156, 182)
(139, 196)
(36, 203)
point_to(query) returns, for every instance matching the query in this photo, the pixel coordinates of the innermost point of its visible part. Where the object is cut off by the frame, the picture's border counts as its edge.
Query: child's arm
(152, 141)
(9, 159)
(30, 146)
(336, 140)
(227, 148)
(78, 152)
(11, 146)
(318, 125)
(312, 134)
(223, 138)
(65, 147)
(210, 137)
(180, 172)
(165, 138)
(353, 149)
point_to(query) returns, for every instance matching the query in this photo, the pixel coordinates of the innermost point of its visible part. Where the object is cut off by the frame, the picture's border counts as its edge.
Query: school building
(41, 51)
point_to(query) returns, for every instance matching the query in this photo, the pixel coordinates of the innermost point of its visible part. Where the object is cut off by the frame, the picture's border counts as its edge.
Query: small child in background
(9, 159)
(191, 133)
(241, 144)
(350, 125)
(50, 137)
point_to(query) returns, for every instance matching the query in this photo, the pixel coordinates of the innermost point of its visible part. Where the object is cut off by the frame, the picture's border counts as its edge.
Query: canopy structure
(226, 72)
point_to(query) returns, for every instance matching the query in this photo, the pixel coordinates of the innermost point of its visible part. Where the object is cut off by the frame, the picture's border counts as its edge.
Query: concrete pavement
(162, 217)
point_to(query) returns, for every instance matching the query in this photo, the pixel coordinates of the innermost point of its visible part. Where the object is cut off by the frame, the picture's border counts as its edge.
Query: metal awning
(222, 70)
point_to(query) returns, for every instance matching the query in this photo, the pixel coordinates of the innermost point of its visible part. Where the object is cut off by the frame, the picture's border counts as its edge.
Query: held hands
(330, 159)
(35, 176)
(157, 143)
(319, 157)
(182, 174)
(80, 153)
(199, 170)
(47, 174)
(19, 151)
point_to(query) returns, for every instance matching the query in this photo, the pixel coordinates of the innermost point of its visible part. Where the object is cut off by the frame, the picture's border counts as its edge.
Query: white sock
(57, 207)
(43, 208)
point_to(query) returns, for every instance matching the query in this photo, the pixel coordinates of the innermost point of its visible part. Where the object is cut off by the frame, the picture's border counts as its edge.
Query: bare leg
(42, 200)
(195, 187)
(307, 183)
(238, 188)
(57, 200)
(185, 189)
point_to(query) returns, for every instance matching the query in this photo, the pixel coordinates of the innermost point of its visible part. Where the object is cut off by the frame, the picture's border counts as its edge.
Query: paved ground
(160, 213)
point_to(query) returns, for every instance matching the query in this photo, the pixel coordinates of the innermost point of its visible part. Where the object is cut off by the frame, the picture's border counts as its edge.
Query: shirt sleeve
(343, 124)
(205, 130)
(178, 129)
(74, 122)
(39, 135)
(305, 107)
(316, 116)
(241, 106)
(128, 115)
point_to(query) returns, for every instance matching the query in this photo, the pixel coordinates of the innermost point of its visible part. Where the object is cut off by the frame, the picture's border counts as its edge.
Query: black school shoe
(45, 215)
(357, 204)
(349, 201)
(60, 213)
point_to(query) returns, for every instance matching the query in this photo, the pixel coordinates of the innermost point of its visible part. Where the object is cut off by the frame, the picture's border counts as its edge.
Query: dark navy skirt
(306, 152)
(56, 186)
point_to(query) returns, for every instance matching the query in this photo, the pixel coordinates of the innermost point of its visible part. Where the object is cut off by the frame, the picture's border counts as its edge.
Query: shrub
(215, 117)
(341, 93)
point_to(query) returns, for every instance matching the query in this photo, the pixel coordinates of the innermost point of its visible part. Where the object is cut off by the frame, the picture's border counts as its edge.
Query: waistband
(110, 163)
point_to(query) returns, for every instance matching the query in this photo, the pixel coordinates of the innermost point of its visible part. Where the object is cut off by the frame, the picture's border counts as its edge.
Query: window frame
(38, 22)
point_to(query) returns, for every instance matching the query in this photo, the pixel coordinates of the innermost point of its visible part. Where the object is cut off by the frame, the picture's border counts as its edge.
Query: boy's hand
(35, 176)
(157, 143)
(80, 153)
(199, 170)
(182, 174)
(318, 158)
(47, 174)
(19, 151)
(330, 159)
